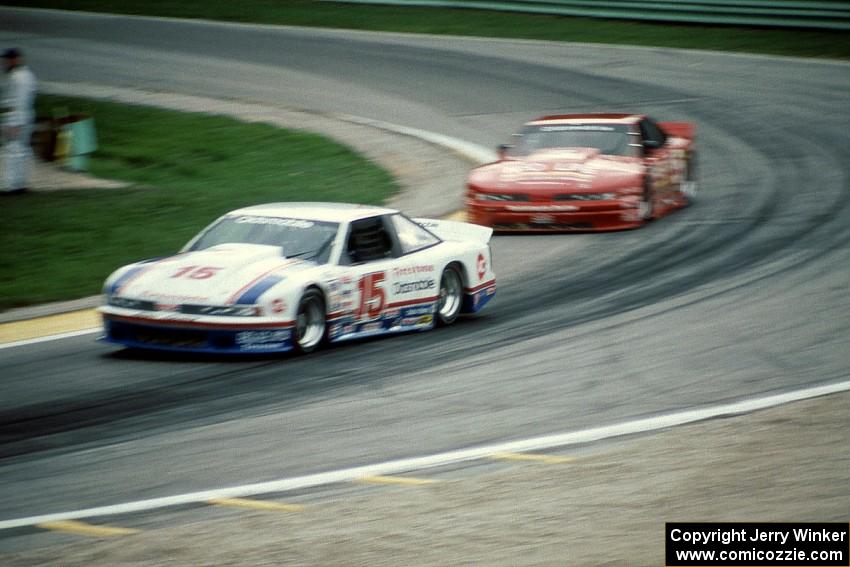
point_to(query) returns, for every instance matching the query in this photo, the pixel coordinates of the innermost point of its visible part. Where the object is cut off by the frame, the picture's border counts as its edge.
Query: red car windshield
(609, 139)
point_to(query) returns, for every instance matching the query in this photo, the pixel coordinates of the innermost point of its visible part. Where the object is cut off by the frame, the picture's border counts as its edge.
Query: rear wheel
(451, 296)
(310, 322)
(646, 205)
(689, 183)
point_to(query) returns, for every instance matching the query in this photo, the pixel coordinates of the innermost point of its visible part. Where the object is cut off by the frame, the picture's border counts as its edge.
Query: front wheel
(310, 322)
(451, 296)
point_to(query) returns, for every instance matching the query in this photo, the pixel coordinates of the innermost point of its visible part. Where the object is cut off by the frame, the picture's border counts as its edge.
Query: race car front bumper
(197, 336)
(555, 216)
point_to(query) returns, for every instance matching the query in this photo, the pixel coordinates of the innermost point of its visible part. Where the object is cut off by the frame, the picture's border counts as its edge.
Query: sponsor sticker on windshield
(291, 223)
(578, 128)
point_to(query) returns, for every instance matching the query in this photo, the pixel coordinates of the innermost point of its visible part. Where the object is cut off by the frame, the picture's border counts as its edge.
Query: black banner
(745, 544)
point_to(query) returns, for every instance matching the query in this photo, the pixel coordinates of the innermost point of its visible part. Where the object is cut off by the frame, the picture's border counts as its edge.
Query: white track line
(451, 457)
(467, 150)
(48, 338)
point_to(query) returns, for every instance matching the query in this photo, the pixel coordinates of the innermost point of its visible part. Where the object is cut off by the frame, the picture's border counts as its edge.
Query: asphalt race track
(742, 294)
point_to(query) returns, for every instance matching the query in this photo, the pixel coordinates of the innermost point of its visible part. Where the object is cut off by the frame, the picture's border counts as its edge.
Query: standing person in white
(18, 115)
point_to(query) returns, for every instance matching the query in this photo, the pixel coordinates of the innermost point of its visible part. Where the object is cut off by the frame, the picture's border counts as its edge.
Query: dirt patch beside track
(607, 507)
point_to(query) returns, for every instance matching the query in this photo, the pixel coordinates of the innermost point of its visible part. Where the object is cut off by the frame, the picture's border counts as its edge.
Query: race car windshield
(300, 238)
(609, 139)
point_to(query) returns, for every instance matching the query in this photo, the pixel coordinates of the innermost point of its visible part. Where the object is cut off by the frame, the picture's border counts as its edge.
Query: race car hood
(554, 171)
(226, 274)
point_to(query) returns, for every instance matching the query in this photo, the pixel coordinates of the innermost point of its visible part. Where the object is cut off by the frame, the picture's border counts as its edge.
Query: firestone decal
(412, 270)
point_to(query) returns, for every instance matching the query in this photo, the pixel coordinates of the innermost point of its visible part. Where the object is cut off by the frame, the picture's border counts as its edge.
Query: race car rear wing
(457, 231)
(679, 129)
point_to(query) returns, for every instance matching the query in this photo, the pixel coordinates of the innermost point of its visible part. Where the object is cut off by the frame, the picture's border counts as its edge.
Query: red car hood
(555, 171)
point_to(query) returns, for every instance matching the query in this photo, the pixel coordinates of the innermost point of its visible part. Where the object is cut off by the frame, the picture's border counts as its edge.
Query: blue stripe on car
(253, 293)
(132, 272)
(116, 285)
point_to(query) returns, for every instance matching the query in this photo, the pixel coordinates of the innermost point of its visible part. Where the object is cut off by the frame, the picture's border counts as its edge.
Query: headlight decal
(221, 310)
(585, 197)
(500, 197)
(127, 303)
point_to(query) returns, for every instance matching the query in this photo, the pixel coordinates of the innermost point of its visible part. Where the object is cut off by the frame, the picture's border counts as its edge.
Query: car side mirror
(651, 144)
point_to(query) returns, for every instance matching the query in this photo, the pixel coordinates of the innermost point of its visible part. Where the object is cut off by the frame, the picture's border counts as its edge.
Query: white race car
(284, 276)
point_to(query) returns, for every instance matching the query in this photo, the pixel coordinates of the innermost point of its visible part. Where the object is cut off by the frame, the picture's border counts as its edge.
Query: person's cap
(11, 53)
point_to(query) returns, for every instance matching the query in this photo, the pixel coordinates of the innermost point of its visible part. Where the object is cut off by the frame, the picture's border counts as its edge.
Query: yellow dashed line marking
(405, 480)
(50, 325)
(256, 504)
(82, 528)
(529, 457)
(456, 216)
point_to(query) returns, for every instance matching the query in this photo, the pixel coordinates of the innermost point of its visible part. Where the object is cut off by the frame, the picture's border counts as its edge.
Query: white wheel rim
(450, 295)
(310, 323)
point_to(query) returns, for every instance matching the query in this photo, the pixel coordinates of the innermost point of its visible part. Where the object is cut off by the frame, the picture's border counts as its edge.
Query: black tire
(451, 296)
(310, 322)
(690, 185)
(647, 204)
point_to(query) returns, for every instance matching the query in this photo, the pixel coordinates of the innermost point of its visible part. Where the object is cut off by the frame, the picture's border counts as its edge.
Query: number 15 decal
(373, 297)
(196, 272)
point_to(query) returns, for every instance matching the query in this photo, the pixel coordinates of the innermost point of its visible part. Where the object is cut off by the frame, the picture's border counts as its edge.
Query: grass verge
(185, 170)
(804, 43)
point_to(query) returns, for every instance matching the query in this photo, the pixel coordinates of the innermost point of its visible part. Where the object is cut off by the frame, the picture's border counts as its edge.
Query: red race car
(584, 172)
